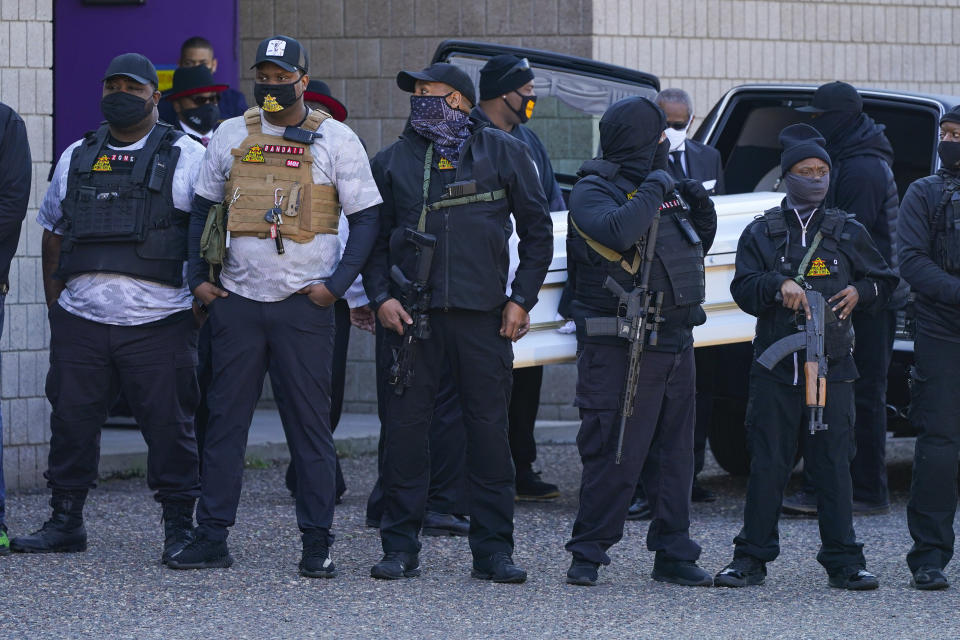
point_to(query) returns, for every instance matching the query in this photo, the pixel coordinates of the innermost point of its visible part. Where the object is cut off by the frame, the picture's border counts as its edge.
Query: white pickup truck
(572, 94)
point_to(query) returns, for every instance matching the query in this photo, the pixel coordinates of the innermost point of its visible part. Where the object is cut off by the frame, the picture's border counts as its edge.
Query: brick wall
(26, 84)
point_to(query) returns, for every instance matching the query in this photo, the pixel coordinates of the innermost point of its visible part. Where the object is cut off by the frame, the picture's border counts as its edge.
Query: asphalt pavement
(117, 589)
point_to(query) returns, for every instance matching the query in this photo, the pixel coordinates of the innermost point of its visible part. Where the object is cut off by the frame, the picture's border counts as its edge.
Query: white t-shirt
(252, 267)
(112, 298)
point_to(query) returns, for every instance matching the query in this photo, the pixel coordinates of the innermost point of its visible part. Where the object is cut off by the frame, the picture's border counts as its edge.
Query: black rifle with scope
(416, 296)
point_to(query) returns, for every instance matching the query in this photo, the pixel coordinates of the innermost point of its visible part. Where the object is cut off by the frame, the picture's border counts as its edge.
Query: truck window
(566, 118)
(747, 138)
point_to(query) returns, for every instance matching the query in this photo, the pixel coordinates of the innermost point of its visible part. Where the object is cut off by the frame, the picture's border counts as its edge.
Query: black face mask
(202, 118)
(949, 153)
(124, 110)
(276, 97)
(525, 112)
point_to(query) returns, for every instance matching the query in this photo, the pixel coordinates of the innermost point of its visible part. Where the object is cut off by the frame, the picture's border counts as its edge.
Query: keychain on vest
(275, 218)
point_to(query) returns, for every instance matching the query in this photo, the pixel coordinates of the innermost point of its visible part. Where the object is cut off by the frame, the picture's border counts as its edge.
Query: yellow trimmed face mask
(525, 112)
(276, 97)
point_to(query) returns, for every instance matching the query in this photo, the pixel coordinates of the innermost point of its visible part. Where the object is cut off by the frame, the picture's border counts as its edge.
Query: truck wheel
(728, 436)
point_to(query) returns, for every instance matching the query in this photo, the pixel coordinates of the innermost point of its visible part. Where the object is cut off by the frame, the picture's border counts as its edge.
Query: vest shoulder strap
(86, 154)
(314, 119)
(145, 156)
(776, 225)
(251, 117)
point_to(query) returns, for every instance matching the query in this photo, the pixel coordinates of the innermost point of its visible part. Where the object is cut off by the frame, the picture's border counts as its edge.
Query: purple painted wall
(86, 38)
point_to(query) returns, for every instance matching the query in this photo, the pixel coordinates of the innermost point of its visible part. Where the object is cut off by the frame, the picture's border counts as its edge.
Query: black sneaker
(861, 508)
(744, 571)
(680, 572)
(499, 568)
(801, 503)
(202, 553)
(445, 524)
(929, 579)
(395, 565)
(701, 494)
(315, 561)
(583, 573)
(530, 488)
(639, 510)
(177, 527)
(854, 579)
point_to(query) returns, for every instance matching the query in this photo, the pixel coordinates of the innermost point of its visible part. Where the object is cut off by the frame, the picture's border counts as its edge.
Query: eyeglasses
(810, 172)
(679, 126)
(201, 100)
(522, 65)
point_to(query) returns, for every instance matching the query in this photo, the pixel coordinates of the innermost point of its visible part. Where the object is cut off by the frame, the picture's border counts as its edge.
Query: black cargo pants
(155, 367)
(935, 412)
(663, 415)
(293, 341)
(480, 363)
(777, 417)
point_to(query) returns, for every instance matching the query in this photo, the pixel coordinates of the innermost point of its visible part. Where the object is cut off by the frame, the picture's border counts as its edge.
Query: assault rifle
(638, 323)
(416, 293)
(810, 338)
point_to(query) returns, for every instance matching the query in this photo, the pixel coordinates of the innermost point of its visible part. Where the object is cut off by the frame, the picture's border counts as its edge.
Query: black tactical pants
(777, 416)
(935, 412)
(90, 363)
(293, 340)
(448, 443)
(663, 415)
(524, 405)
(480, 364)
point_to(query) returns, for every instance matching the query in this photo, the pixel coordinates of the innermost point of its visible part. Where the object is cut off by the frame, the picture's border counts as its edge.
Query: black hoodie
(861, 181)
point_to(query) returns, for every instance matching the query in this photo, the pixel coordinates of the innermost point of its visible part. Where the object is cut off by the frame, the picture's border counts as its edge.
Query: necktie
(205, 140)
(677, 158)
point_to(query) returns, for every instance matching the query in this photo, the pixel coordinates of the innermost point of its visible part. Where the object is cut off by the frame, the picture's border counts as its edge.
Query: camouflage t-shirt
(253, 268)
(112, 298)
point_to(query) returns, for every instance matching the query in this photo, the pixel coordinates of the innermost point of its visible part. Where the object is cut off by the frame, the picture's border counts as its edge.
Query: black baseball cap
(835, 96)
(134, 66)
(440, 72)
(283, 51)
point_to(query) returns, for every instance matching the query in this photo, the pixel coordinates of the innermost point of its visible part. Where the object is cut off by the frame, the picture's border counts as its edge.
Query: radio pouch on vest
(269, 171)
(213, 242)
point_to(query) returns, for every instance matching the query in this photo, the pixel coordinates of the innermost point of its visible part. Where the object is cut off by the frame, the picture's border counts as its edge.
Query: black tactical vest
(118, 214)
(828, 271)
(677, 268)
(945, 226)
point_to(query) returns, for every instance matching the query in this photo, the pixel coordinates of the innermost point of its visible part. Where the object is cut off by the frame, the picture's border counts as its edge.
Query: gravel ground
(117, 589)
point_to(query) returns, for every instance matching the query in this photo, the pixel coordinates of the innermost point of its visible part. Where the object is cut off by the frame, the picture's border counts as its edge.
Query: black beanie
(801, 141)
(494, 83)
(951, 116)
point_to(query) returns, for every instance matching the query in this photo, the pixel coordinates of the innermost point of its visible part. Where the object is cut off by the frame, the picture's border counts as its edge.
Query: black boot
(177, 527)
(63, 532)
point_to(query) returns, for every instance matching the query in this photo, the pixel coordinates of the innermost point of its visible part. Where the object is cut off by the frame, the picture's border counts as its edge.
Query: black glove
(694, 193)
(664, 179)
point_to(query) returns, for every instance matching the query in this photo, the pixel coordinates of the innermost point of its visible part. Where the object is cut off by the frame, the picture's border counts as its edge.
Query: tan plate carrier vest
(264, 163)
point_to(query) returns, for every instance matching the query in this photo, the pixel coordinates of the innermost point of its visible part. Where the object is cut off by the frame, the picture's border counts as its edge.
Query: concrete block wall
(26, 84)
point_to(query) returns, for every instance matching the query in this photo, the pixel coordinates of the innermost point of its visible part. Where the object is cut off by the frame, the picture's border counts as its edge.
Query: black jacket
(703, 164)
(862, 183)
(938, 292)
(472, 254)
(15, 175)
(760, 272)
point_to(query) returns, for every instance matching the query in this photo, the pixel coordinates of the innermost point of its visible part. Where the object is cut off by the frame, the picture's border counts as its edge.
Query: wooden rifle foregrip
(816, 387)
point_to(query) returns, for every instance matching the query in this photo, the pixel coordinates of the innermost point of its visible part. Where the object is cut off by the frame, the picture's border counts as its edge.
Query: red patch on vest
(294, 164)
(279, 148)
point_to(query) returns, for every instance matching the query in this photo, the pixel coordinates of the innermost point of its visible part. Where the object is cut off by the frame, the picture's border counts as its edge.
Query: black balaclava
(630, 133)
(948, 151)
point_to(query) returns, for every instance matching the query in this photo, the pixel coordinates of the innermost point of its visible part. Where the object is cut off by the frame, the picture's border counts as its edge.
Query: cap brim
(337, 110)
(812, 109)
(132, 76)
(217, 88)
(406, 80)
(279, 63)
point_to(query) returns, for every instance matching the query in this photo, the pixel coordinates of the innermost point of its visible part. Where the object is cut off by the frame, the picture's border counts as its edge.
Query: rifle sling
(610, 254)
(800, 279)
(489, 196)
